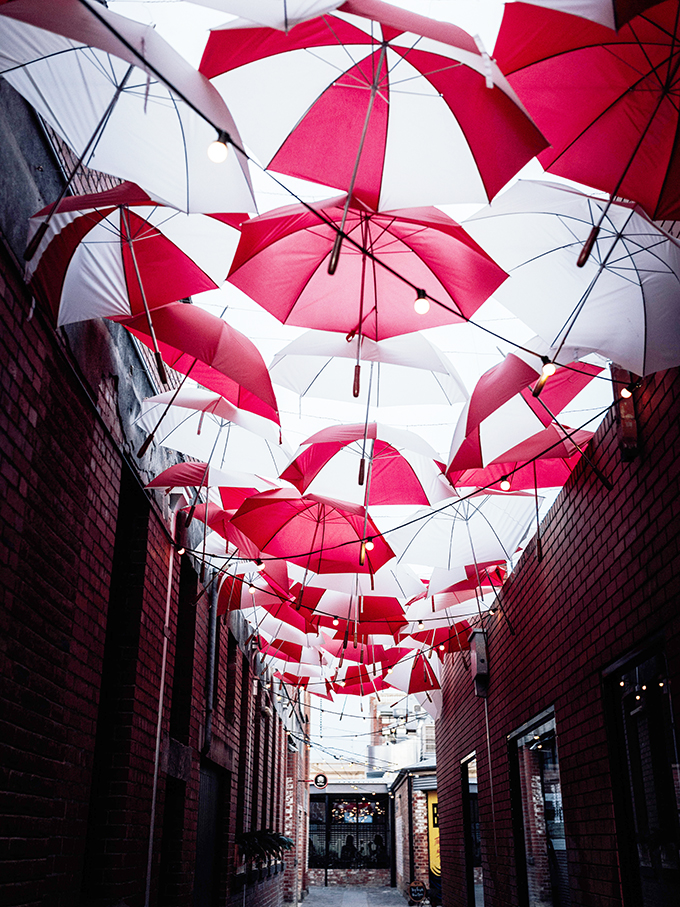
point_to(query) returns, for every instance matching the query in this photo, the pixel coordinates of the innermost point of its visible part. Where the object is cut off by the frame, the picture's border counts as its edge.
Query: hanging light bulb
(422, 303)
(421, 625)
(389, 670)
(251, 589)
(441, 648)
(626, 392)
(505, 484)
(335, 621)
(219, 149)
(549, 368)
(370, 545)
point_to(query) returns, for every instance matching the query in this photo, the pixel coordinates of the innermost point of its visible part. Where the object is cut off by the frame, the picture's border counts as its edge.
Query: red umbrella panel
(320, 534)
(212, 352)
(415, 673)
(282, 262)
(606, 101)
(425, 115)
(369, 463)
(443, 640)
(359, 680)
(219, 521)
(357, 616)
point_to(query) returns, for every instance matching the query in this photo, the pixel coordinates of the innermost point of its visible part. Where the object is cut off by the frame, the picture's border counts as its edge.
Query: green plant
(263, 844)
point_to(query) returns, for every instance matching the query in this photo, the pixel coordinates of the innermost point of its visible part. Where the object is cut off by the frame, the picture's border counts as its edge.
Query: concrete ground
(354, 896)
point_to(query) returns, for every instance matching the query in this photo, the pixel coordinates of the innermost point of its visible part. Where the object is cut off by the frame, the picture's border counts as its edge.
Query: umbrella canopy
(203, 475)
(283, 256)
(502, 412)
(103, 253)
(359, 680)
(422, 111)
(321, 534)
(443, 640)
(545, 460)
(404, 370)
(415, 673)
(92, 73)
(282, 14)
(216, 355)
(624, 302)
(483, 528)
(401, 466)
(606, 101)
(226, 437)
(397, 580)
(612, 13)
(219, 520)
(358, 616)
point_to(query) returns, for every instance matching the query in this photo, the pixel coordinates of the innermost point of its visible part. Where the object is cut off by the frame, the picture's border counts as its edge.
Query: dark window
(539, 817)
(646, 779)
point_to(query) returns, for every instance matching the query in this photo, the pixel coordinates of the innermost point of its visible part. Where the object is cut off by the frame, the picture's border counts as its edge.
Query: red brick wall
(608, 580)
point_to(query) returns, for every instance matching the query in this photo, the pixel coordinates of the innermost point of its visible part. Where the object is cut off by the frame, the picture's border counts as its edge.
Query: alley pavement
(354, 896)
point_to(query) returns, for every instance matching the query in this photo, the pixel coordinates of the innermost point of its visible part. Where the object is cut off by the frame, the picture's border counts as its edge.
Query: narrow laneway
(354, 896)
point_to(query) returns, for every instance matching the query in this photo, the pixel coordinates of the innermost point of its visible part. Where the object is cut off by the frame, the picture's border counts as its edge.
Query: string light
(422, 303)
(335, 621)
(626, 392)
(505, 484)
(370, 545)
(218, 151)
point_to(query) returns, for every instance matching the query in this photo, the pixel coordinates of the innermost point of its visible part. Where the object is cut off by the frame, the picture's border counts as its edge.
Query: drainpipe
(411, 856)
(161, 694)
(210, 679)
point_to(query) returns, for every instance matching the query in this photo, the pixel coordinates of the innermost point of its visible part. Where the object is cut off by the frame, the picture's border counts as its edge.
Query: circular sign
(320, 781)
(417, 892)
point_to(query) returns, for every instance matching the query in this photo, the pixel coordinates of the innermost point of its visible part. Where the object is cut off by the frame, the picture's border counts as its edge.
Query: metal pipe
(210, 679)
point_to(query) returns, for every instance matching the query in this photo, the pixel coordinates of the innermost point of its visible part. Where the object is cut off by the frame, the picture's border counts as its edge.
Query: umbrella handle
(335, 254)
(356, 389)
(588, 247)
(362, 470)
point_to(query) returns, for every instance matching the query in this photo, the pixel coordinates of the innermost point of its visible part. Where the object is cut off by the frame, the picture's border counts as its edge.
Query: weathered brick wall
(608, 581)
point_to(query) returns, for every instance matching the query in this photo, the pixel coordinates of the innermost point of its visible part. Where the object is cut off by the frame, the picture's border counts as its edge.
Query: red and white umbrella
(95, 76)
(359, 680)
(197, 343)
(321, 534)
(203, 475)
(203, 425)
(622, 303)
(484, 528)
(606, 101)
(612, 13)
(372, 464)
(355, 616)
(415, 673)
(422, 111)
(502, 412)
(282, 262)
(114, 253)
(282, 14)
(442, 640)
(407, 370)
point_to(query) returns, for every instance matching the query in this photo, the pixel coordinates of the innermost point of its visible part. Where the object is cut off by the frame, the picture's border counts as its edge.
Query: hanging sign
(320, 781)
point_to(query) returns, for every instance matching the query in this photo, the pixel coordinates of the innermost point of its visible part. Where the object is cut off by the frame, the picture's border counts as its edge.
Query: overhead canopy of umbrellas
(366, 557)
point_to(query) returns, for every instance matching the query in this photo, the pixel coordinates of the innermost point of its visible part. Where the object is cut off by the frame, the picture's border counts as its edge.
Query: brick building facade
(136, 740)
(572, 756)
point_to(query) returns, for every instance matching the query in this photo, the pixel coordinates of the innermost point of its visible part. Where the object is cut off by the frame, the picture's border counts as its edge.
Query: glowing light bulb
(218, 150)
(626, 392)
(335, 621)
(181, 551)
(421, 625)
(549, 368)
(505, 484)
(441, 648)
(370, 545)
(422, 303)
(389, 670)
(251, 589)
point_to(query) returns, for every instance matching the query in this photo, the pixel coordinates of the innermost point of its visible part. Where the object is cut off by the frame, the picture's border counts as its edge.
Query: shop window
(538, 814)
(349, 832)
(645, 778)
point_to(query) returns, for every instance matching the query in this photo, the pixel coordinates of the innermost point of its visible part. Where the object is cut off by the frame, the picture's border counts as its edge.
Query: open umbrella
(283, 256)
(415, 673)
(321, 534)
(484, 528)
(403, 370)
(274, 13)
(606, 101)
(224, 436)
(94, 75)
(502, 412)
(612, 13)
(357, 616)
(216, 355)
(624, 302)
(392, 466)
(118, 253)
(425, 116)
